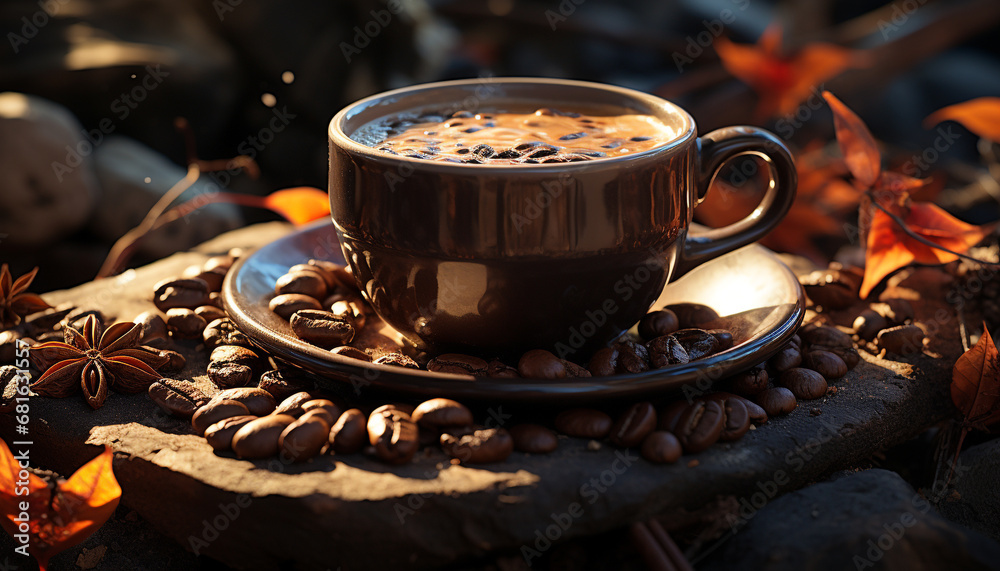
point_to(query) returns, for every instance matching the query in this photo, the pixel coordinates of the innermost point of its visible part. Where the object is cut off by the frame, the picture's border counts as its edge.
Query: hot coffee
(513, 138)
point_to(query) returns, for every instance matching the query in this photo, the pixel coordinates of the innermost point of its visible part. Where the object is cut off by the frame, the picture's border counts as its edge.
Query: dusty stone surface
(865, 520)
(347, 511)
(975, 501)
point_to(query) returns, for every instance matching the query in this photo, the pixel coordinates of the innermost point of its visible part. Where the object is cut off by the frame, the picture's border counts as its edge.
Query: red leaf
(856, 143)
(981, 116)
(890, 248)
(975, 383)
(299, 205)
(63, 516)
(783, 82)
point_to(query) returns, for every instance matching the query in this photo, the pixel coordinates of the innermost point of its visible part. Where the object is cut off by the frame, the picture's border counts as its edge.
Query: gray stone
(976, 482)
(133, 177)
(45, 193)
(355, 512)
(863, 520)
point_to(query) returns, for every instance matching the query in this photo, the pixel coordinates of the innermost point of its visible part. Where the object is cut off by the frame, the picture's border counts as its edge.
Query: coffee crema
(505, 138)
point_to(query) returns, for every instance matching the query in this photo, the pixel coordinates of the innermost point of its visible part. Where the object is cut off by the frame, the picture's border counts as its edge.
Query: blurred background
(92, 91)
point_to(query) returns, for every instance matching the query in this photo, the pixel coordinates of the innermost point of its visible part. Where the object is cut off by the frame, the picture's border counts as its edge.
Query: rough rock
(865, 520)
(133, 177)
(975, 501)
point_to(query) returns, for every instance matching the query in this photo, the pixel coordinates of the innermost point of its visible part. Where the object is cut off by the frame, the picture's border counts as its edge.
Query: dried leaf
(783, 82)
(981, 116)
(856, 143)
(59, 516)
(975, 383)
(890, 248)
(299, 205)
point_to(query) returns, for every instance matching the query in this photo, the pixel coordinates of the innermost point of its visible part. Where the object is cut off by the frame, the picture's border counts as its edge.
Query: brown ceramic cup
(499, 259)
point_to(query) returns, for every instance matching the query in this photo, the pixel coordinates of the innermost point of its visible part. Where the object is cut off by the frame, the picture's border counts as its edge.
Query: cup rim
(341, 139)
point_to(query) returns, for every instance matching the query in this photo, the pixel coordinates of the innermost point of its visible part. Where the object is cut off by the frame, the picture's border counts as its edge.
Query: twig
(657, 548)
(902, 224)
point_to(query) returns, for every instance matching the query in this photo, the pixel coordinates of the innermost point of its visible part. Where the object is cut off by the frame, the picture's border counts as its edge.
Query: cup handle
(714, 149)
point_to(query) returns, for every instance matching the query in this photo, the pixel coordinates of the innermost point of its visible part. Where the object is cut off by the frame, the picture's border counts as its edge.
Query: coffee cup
(495, 259)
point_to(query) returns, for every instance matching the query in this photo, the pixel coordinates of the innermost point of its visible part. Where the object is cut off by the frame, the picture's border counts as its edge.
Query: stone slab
(353, 512)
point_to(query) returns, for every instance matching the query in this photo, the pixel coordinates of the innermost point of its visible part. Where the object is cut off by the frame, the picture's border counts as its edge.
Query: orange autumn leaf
(856, 143)
(782, 81)
(890, 248)
(975, 383)
(62, 515)
(299, 205)
(981, 116)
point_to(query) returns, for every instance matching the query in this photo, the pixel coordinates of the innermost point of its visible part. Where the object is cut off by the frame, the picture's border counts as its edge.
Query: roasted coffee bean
(177, 398)
(666, 350)
(671, 414)
(869, 323)
(178, 292)
(657, 324)
(533, 439)
(285, 305)
(796, 342)
(634, 425)
(351, 353)
(604, 362)
(693, 315)
(754, 411)
(306, 283)
(697, 342)
(258, 401)
(632, 357)
(327, 276)
(209, 313)
(805, 384)
(221, 262)
(400, 406)
(574, 371)
(500, 370)
(305, 438)
(541, 364)
(321, 328)
(349, 434)
(825, 335)
(223, 331)
(831, 289)
(397, 360)
(78, 316)
(212, 277)
(153, 326)
(583, 423)
(175, 361)
(850, 355)
(700, 425)
(220, 435)
(458, 364)
(292, 405)
(825, 363)
(440, 413)
(214, 411)
(737, 420)
(750, 382)
(48, 319)
(484, 446)
(902, 340)
(776, 401)
(258, 438)
(285, 382)
(215, 298)
(788, 358)
(350, 311)
(185, 323)
(724, 337)
(660, 447)
(325, 407)
(394, 435)
(233, 366)
(895, 310)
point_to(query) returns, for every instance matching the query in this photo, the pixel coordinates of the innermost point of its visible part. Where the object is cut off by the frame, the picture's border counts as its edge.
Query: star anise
(94, 360)
(15, 301)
